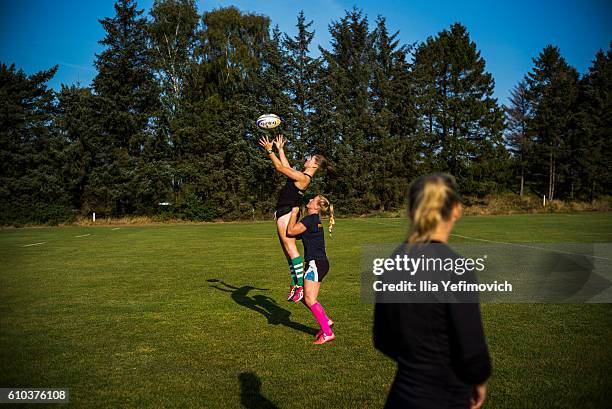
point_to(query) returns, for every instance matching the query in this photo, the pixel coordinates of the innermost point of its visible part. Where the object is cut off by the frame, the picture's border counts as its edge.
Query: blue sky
(36, 34)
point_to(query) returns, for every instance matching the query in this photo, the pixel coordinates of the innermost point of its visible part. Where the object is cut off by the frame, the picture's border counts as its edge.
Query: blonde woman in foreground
(437, 340)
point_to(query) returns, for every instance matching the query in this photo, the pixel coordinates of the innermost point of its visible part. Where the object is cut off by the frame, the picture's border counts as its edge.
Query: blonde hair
(431, 200)
(328, 210)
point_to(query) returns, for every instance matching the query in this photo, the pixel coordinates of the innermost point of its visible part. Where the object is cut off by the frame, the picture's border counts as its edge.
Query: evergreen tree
(125, 80)
(458, 115)
(346, 78)
(274, 83)
(518, 140)
(393, 144)
(301, 75)
(32, 150)
(79, 120)
(592, 149)
(128, 97)
(553, 92)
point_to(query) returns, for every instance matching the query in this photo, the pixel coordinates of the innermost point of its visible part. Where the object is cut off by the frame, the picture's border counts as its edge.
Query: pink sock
(327, 319)
(319, 314)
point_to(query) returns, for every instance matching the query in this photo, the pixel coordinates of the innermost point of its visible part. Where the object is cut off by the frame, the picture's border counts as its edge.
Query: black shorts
(317, 270)
(283, 210)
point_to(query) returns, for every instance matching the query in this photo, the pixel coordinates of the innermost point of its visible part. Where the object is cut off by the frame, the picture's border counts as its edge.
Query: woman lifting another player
(310, 230)
(290, 196)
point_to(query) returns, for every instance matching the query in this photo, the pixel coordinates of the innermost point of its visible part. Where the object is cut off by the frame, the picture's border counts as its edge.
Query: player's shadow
(263, 304)
(250, 392)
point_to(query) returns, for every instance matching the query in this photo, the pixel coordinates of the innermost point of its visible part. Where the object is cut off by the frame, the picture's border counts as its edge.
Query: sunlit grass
(193, 316)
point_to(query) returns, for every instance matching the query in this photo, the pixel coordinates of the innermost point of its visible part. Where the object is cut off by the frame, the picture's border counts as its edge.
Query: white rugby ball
(268, 121)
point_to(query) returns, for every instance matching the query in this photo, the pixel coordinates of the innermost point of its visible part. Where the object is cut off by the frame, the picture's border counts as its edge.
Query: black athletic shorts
(283, 210)
(317, 270)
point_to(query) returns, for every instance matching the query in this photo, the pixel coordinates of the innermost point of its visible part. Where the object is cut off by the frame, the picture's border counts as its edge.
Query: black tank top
(290, 195)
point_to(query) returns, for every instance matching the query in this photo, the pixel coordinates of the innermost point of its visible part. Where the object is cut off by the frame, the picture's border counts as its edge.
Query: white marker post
(93, 217)
(544, 201)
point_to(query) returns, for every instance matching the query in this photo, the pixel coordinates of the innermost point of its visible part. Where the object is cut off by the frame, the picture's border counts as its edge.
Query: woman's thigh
(288, 243)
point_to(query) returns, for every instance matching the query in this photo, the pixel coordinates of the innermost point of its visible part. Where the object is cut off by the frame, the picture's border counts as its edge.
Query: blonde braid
(327, 209)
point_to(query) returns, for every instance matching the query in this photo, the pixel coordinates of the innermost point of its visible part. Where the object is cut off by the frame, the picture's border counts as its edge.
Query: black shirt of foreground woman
(439, 346)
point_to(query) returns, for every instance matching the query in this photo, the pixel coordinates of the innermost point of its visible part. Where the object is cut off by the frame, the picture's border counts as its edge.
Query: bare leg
(291, 252)
(288, 243)
(311, 292)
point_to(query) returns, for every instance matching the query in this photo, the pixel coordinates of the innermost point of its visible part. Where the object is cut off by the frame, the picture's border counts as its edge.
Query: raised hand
(279, 141)
(266, 143)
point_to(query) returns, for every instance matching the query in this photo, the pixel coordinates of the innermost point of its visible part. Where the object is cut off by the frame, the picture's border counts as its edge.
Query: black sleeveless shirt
(290, 195)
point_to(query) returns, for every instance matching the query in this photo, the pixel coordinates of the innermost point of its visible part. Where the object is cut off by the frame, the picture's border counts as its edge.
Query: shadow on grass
(250, 392)
(263, 304)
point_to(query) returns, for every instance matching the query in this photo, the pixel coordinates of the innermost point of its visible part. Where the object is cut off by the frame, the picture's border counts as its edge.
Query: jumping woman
(310, 230)
(290, 196)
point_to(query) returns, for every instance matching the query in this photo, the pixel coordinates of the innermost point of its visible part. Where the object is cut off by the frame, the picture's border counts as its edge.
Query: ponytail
(332, 221)
(324, 164)
(431, 200)
(328, 210)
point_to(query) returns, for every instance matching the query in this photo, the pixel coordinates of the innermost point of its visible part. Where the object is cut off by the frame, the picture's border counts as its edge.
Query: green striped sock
(298, 268)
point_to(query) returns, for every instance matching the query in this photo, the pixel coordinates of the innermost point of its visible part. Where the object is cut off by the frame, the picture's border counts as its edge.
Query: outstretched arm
(280, 145)
(293, 227)
(278, 165)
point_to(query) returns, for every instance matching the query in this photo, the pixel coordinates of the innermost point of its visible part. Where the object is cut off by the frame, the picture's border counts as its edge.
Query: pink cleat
(299, 294)
(330, 323)
(324, 338)
(291, 292)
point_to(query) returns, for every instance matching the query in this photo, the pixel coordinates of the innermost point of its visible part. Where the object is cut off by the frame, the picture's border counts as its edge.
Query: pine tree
(592, 149)
(346, 79)
(552, 92)
(393, 144)
(457, 113)
(32, 150)
(301, 73)
(79, 120)
(274, 81)
(129, 101)
(125, 80)
(518, 140)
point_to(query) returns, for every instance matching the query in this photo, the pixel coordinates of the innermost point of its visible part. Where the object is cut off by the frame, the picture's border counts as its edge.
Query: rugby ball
(268, 121)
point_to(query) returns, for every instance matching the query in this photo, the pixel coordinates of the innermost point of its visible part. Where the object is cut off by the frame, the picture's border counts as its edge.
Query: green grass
(127, 318)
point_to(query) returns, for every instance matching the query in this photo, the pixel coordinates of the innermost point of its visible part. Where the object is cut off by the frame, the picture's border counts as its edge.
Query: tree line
(170, 118)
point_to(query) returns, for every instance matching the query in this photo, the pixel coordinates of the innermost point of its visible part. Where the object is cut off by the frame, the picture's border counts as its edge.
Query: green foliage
(460, 122)
(196, 209)
(33, 151)
(590, 143)
(552, 92)
(170, 117)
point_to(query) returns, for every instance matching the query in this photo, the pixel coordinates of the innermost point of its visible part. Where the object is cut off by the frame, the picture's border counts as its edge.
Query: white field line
(377, 222)
(116, 228)
(34, 244)
(529, 247)
(83, 235)
(503, 242)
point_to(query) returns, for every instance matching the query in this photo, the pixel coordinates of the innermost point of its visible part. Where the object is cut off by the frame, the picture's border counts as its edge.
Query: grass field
(134, 316)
